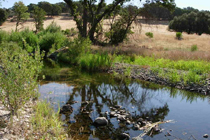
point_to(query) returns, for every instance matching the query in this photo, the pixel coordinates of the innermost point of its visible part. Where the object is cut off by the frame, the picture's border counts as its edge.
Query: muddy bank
(146, 74)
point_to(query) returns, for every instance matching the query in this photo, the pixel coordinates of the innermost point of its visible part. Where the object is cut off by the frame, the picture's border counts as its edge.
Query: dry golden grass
(164, 44)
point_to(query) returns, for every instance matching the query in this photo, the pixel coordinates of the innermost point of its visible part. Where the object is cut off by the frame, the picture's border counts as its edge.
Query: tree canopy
(3, 16)
(193, 22)
(92, 12)
(20, 12)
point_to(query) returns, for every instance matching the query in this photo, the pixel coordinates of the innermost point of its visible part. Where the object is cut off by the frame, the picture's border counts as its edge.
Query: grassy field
(163, 43)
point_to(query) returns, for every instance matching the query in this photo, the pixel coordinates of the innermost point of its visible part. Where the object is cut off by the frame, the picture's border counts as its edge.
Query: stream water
(189, 111)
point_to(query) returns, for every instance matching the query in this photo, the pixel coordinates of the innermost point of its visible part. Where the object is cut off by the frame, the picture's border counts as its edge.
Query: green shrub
(95, 62)
(46, 122)
(18, 74)
(194, 48)
(132, 57)
(30, 40)
(53, 28)
(3, 36)
(179, 35)
(50, 42)
(149, 34)
(15, 37)
(118, 33)
(70, 32)
(77, 47)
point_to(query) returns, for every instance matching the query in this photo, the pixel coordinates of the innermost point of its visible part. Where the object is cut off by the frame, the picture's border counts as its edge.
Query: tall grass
(192, 71)
(94, 62)
(46, 123)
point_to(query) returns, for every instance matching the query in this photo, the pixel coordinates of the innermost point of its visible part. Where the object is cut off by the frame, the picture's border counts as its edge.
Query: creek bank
(146, 74)
(21, 126)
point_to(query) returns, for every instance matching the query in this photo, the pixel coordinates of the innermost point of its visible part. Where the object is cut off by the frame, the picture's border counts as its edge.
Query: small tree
(3, 16)
(20, 12)
(18, 74)
(39, 16)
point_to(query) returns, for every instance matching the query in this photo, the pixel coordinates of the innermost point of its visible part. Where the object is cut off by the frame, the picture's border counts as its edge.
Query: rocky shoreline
(146, 74)
(20, 128)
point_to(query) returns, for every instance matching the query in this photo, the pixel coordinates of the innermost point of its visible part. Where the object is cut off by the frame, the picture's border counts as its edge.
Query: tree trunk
(85, 20)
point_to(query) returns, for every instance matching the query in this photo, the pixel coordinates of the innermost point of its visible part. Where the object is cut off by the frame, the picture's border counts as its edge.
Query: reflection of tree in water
(105, 95)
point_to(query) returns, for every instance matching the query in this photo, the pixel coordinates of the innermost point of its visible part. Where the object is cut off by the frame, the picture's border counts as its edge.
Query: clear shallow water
(190, 111)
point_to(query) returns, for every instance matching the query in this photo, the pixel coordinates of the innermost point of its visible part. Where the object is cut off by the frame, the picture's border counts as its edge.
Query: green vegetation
(194, 22)
(95, 62)
(149, 34)
(194, 48)
(39, 16)
(46, 122)
(89, 25)
(18, 74)
(20, 11)
(3, 16)
(176, 71)
(70, 32)
(179, 35)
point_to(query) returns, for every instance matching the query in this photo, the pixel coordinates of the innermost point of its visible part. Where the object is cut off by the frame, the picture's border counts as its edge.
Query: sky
(198, 4)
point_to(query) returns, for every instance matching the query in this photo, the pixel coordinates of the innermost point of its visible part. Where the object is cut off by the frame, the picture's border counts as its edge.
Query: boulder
(205, 135)
(124, 136)
(136, 127)
(113, 114)
(101, 121)
(66, 109)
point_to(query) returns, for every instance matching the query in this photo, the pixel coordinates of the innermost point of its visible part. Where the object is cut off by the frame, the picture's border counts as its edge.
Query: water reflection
(92, 95)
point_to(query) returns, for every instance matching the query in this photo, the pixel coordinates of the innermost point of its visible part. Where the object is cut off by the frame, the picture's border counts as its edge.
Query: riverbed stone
(117, 106)
(205, 135)
(137, 138)
(156, 129)
(136, 127)
(101, 121)
(113, 114)
(66, 108)
(124, 136)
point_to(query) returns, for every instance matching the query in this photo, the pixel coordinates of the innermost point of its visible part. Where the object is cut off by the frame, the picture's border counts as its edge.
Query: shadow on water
(94, 94)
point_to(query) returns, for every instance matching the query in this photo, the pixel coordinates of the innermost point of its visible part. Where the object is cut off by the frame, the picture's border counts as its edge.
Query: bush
(149, 34)
(77, 48)
(3, 36)
(194, 48)
(52, 41)
(179, 35)
(18, 74)
(26, 39)
(30, 40)
(118, 33)
(53, 28)
(15, 37)
(70, 32)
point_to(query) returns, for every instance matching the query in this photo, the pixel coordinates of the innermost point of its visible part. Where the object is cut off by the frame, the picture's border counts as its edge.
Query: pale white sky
(198, 4)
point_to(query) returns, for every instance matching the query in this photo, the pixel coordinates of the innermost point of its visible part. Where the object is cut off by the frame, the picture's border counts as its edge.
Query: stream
(189, 111)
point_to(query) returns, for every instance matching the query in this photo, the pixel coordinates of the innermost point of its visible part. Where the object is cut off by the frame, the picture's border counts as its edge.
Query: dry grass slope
(164, 44)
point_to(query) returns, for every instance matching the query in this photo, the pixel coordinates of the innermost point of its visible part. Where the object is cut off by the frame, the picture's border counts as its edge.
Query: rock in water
(205, 135)
(66, 108)
(137, 138)
(101, 121)
(124, 136)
